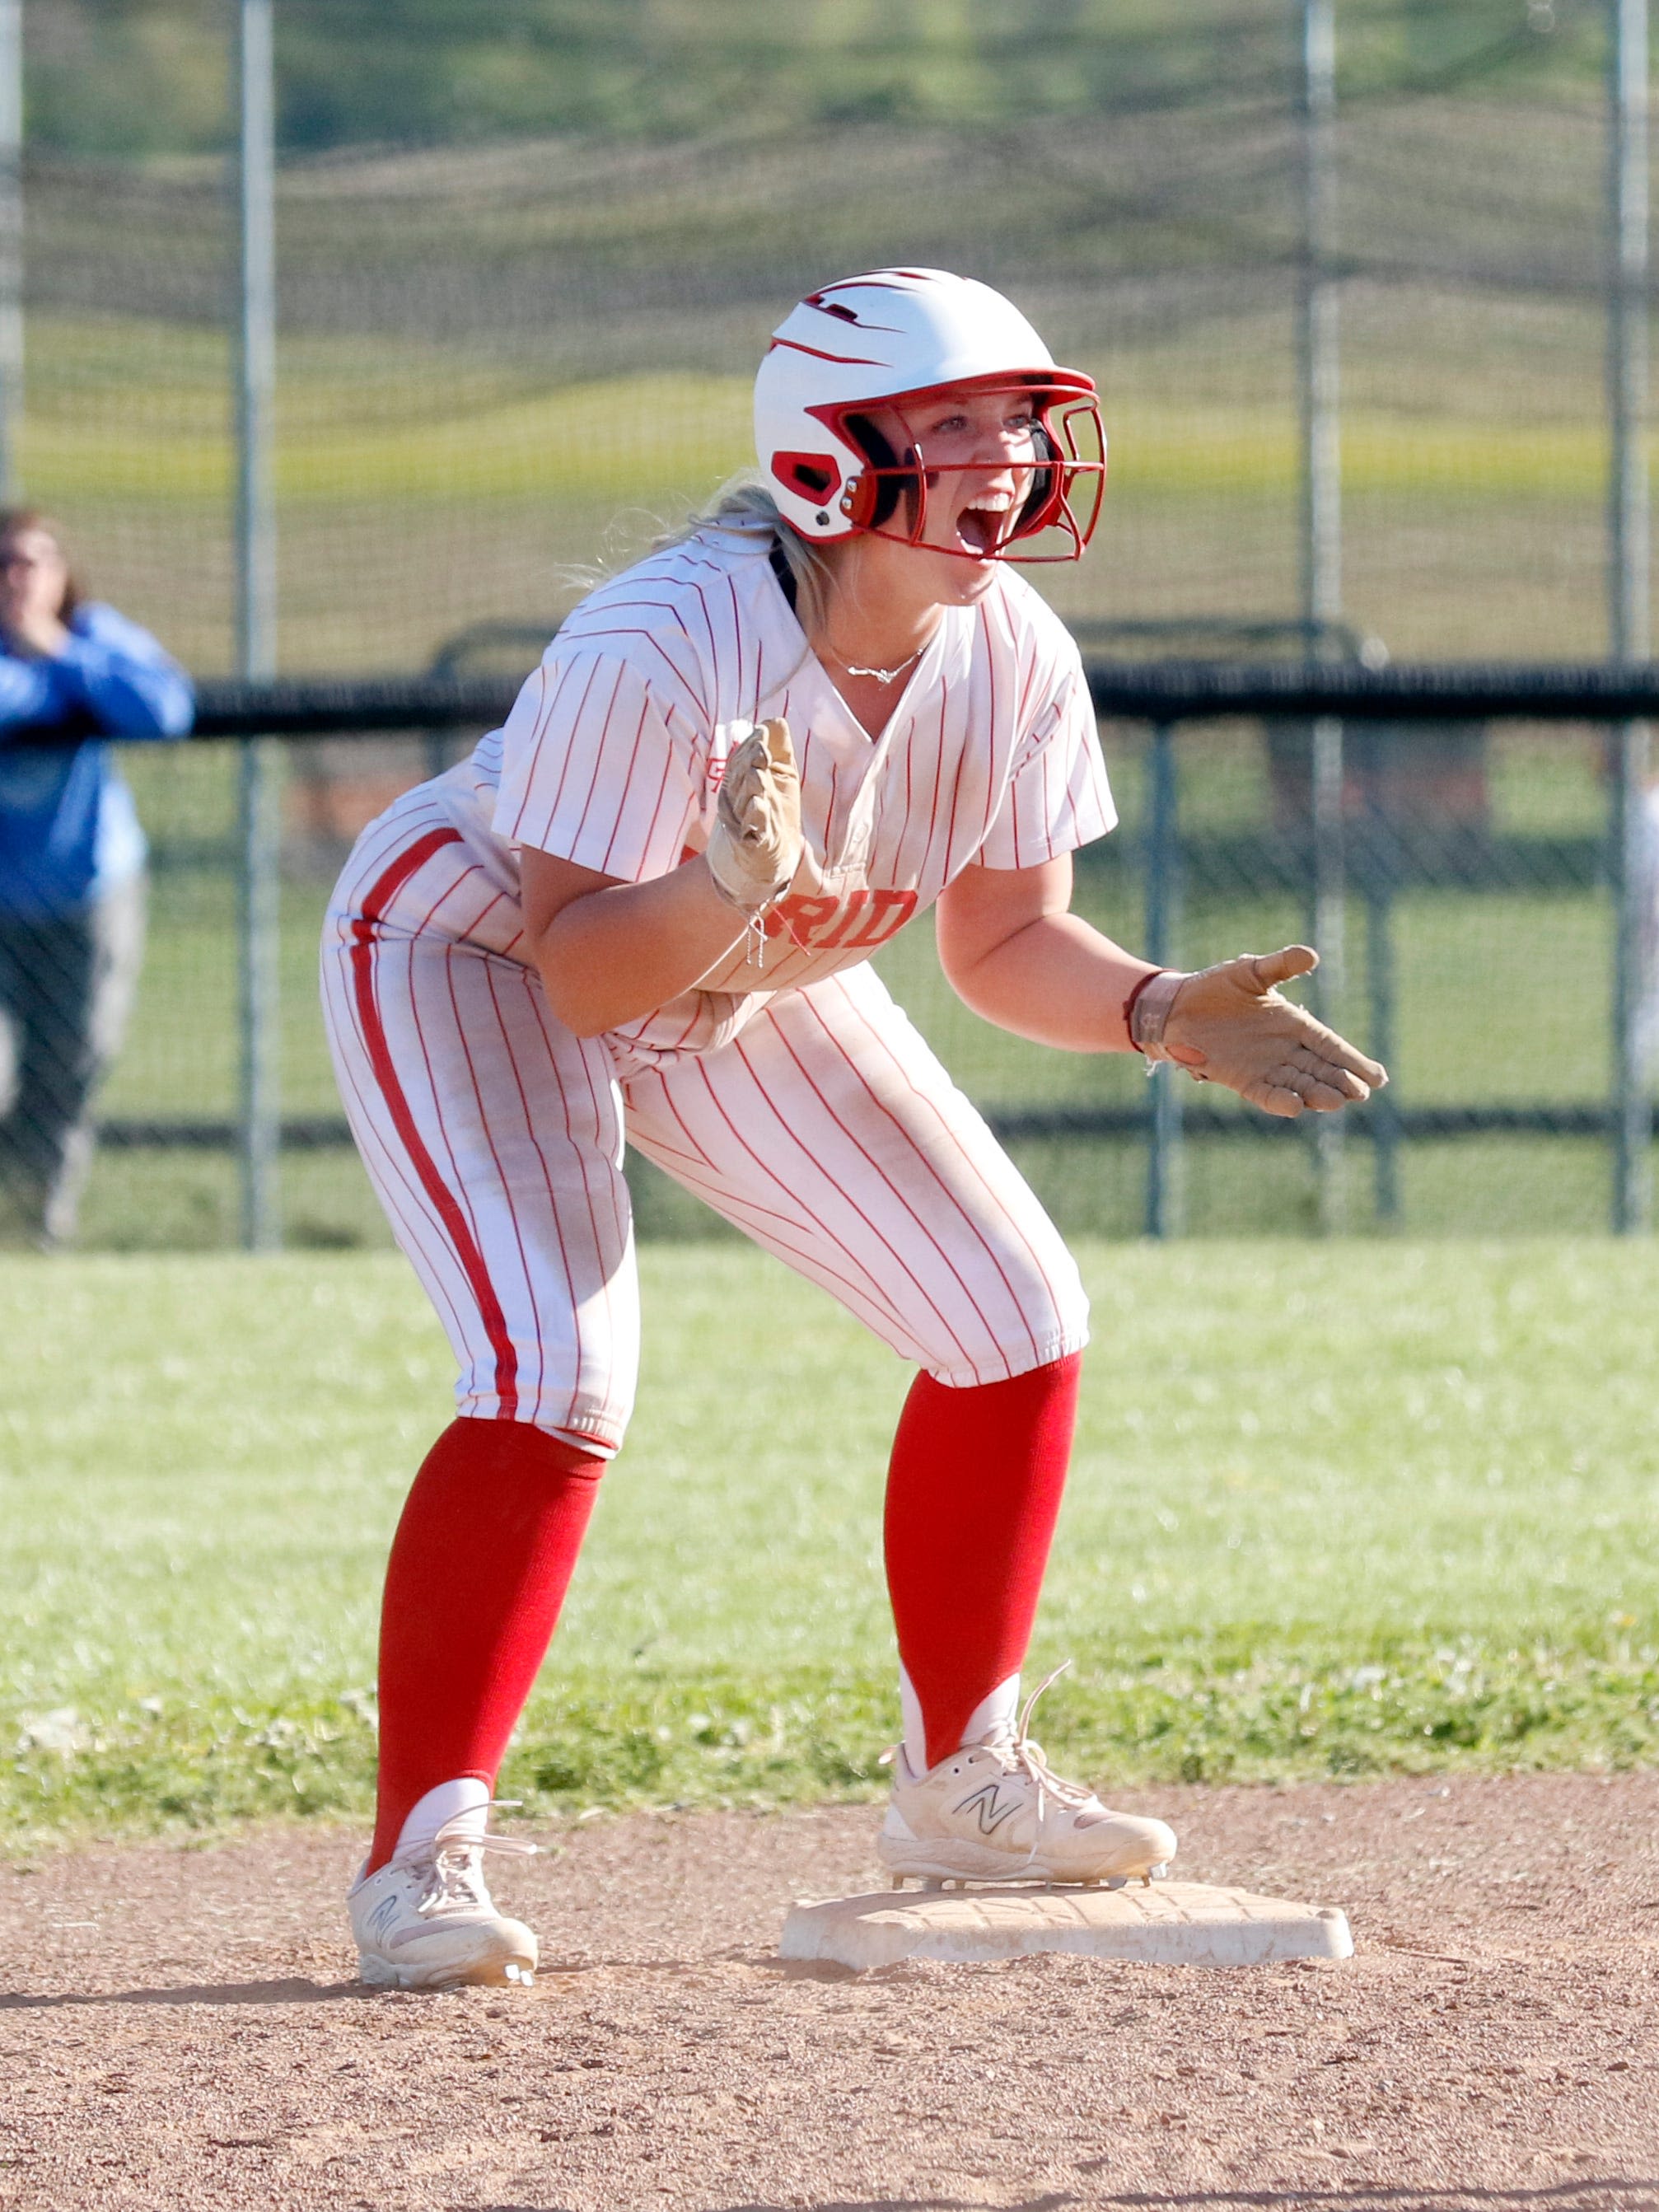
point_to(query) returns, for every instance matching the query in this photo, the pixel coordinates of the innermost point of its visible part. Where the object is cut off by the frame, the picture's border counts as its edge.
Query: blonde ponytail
(745, 508)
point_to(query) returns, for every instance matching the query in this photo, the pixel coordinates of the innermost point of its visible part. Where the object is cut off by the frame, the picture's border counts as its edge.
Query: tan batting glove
(1229, 1024)
(755, 846)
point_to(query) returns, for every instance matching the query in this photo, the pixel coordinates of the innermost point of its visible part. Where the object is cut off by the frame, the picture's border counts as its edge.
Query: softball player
(642, 913)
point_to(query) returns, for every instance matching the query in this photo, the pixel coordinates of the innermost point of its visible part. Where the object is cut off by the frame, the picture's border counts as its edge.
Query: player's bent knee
(578, 1452)
(1051, 1327)
(523, 1447)
(1056, 1309)
(534, 1444)
(591, 1417)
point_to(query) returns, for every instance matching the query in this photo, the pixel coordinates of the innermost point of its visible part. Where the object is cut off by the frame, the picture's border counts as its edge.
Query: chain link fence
(1478, 920)
(502, 366)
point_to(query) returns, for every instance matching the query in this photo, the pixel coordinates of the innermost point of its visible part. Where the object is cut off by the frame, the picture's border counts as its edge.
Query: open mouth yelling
(984, 528)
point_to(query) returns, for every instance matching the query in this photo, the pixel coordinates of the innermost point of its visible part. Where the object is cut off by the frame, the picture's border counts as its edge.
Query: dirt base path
(176, 2028)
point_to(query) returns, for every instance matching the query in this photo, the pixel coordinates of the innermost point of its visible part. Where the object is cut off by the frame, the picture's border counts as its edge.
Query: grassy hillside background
(146, 77)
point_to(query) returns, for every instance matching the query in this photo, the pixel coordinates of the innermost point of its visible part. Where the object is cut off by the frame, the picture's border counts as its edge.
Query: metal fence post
(1318, 352)
(1632, 874)
(1321, 520)
(258, 1116)
(1165, 1178)
(1629, 556)
(11, 245)
(1376, 882)
(1330, 893)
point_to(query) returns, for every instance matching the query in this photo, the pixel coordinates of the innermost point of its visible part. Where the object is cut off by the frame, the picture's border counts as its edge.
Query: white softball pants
(826, 1131)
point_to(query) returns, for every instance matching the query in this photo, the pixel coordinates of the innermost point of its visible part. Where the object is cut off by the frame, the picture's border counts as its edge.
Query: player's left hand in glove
(756, 844)
(1229, 1024)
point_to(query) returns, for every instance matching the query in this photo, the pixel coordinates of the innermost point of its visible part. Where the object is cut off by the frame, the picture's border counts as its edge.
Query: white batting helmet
(896, 338)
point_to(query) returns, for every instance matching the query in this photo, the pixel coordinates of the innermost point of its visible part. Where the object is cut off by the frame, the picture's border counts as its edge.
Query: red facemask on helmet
(1059, 489)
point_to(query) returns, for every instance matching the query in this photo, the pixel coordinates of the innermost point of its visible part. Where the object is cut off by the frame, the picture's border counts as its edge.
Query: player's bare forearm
(612, 952)
(1013, 953)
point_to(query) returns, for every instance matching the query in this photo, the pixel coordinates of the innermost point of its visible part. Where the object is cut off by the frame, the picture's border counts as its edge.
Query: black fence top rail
(1475, 691)
(1154, 691)
(1414, 1124)
(1166, 691)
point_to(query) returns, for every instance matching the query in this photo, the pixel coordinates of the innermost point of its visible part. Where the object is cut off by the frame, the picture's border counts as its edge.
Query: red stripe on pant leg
(364, 930)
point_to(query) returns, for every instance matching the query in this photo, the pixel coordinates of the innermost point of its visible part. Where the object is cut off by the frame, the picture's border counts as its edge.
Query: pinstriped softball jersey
(786, 1090)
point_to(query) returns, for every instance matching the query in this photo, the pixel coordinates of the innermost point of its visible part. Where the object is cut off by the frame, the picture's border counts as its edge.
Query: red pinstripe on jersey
(873, 1047)
(363, 931)
(868, 1160)
(685, 1159)
(826, 1131)
(790, 1096)
(613, 756)
(829, 1134)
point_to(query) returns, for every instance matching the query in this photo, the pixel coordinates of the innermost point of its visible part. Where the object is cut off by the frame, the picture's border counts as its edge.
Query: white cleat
(426, 1920)
(998, 1811)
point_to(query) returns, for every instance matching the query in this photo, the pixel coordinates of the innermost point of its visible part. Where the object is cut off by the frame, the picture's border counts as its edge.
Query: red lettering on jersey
(807, 917)
(856, 904)
(796, 917)
(892, 910)
(856, 923)
(821, 924)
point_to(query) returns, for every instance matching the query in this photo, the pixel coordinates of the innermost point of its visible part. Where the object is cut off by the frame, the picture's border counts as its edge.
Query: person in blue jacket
(71, 862)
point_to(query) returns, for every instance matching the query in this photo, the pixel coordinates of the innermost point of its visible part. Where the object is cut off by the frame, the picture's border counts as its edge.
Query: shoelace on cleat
(1019, 1755)
(456, 1878)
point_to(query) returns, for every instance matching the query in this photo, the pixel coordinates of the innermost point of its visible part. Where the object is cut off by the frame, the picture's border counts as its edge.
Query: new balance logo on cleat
(1015, 1820)
(427, 1920)
(384, 1914)
(993, 1809)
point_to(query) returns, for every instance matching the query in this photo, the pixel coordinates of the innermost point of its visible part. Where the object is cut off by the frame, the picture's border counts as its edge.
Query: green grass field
(1336, 1509)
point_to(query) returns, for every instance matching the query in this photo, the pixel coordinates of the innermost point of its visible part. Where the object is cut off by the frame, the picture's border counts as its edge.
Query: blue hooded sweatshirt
(68, 830)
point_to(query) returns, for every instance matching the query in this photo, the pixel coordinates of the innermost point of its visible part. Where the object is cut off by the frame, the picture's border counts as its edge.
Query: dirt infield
(178, 2030)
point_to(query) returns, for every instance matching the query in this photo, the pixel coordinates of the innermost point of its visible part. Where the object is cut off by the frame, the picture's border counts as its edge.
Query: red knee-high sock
(478, 1571)
(972, 1492)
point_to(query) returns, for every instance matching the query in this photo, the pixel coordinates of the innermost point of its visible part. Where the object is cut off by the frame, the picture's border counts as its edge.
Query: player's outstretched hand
(755, 847)
(1229, 1024)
